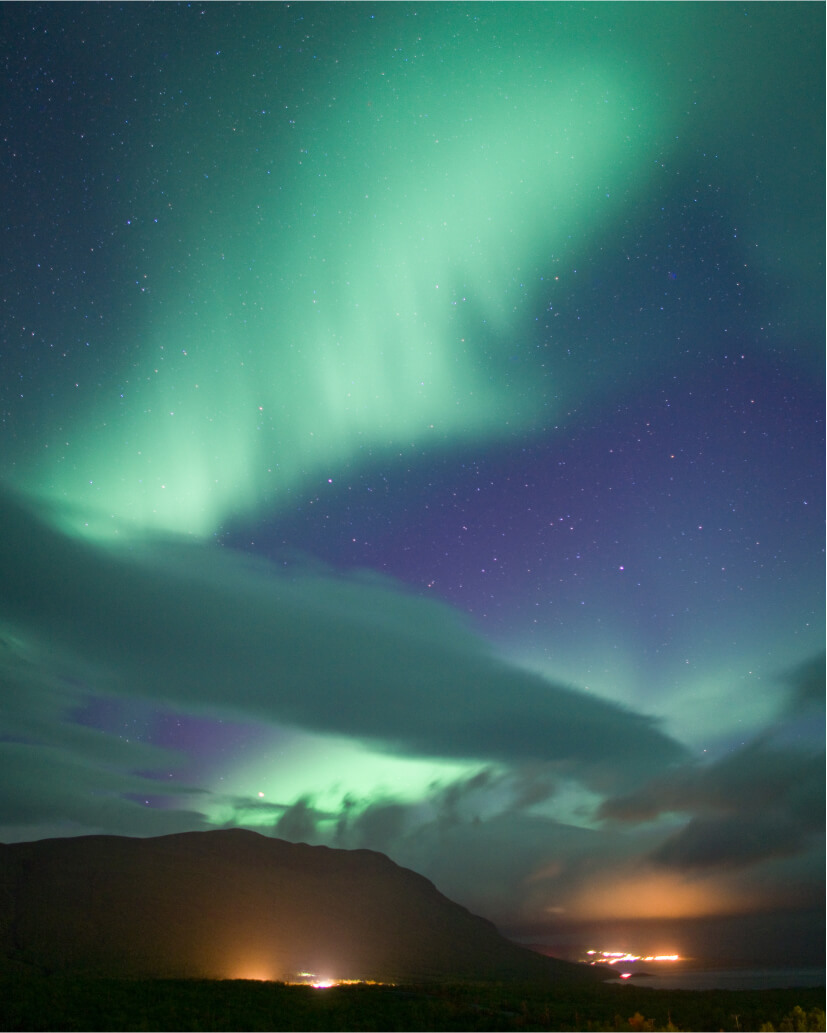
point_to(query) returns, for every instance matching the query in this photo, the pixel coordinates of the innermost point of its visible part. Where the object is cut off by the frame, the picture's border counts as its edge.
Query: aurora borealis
(413, 439)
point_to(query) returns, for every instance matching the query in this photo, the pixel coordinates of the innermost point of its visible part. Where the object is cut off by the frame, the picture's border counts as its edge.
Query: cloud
(733, 841)
(57, 774)
(379, 826)
(755, 778)
(196, 628)
(42, 785)
(298, 822)
(807, 684)
(760, 802)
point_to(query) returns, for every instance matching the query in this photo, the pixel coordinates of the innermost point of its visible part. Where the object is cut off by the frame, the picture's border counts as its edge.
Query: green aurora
(361, 289)
(324, 251)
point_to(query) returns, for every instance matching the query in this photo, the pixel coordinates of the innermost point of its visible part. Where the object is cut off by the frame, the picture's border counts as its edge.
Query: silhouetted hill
(235, 904)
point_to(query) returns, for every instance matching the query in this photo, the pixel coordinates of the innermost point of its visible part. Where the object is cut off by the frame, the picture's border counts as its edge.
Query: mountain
(233, 904)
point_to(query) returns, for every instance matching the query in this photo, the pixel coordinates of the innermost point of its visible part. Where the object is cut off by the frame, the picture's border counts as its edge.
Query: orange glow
(653, 894)
(253, 966)
(260, 972)
(324, 982)
(616, 957)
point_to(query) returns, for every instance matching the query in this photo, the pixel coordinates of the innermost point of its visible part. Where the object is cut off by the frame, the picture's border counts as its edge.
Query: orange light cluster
(613, 957)
(323, 983)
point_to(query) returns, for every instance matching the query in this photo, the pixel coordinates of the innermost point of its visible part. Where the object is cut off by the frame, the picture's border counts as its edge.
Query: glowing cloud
(327, 769)
(645, 894)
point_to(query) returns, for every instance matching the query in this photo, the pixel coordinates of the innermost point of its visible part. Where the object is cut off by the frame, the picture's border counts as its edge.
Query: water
(728, 979)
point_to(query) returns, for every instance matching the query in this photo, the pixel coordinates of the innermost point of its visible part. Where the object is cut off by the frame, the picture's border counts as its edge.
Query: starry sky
(412, 438)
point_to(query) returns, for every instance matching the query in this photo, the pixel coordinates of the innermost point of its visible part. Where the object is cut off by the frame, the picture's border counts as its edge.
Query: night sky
(412, 438)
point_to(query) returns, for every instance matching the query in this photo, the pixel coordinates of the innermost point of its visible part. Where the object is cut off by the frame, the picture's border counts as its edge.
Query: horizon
(413, 441)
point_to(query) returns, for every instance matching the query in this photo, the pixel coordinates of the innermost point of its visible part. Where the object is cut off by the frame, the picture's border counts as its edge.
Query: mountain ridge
(232, 903)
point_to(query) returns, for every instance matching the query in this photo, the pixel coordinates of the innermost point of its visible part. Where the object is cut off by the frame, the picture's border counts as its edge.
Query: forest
(66, 1003)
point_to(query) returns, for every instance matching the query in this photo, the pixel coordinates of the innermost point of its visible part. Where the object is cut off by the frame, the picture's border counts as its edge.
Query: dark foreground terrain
(213, 905)
(63, 1003)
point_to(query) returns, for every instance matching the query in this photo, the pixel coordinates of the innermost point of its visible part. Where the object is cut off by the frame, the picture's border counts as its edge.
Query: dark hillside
(235, 904)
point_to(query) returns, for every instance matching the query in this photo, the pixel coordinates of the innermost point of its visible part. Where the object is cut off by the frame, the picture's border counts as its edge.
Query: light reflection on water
(727, 979)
